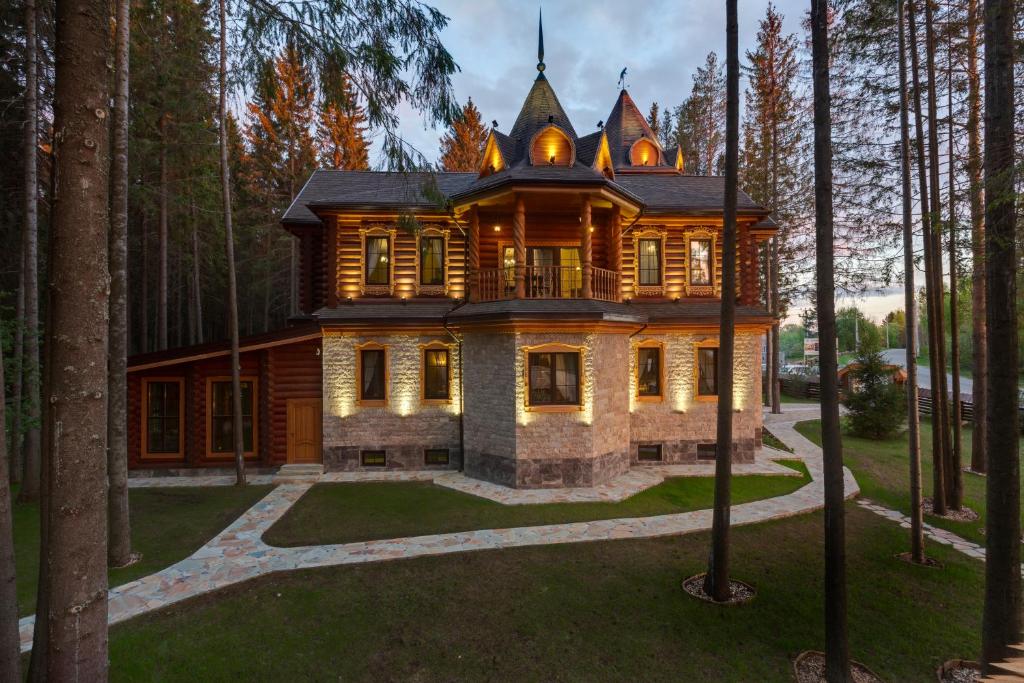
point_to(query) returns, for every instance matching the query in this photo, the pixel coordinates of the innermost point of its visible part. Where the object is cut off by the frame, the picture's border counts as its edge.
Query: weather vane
(622, 79)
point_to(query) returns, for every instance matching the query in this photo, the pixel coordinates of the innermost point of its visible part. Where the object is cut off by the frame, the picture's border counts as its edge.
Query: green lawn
(584, 612)
(883, 472)
(168, 524)
(345, 513)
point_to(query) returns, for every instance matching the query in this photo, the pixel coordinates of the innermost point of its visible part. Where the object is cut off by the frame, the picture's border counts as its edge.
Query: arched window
(643, 153)
(552, 147)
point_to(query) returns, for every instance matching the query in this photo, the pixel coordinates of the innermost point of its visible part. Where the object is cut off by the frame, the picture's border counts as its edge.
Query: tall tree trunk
(956, 491)
(775, 389)
(120, 537)
(144, 286)
(979, 334)
(933, 282)
(910, 304)
(76, 550)
(32, 454)
(162, 299)
(19, 376)
(1001, 622)
(837, 649)
(940, 403)
(229, 249)
(10, 642)
(716, 582)
(197, 283)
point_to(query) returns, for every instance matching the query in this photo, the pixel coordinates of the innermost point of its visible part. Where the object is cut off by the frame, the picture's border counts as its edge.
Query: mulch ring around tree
(965, 514)
(809, 667)
(928, 561)
(959, 671)
(739, 592)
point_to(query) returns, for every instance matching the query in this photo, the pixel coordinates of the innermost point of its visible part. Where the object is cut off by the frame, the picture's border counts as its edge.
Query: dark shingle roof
(670, 193)
(550, 309)
(586, 148)
(696, 310)
(330, 188)
(396, 311)
(578, 174)
(624, 126)
(541, 103)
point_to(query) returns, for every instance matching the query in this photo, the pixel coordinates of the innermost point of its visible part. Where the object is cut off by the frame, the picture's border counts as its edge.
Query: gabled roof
(624, 126)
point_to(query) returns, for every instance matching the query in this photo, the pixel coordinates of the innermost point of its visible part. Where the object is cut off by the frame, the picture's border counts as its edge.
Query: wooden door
(304, 434)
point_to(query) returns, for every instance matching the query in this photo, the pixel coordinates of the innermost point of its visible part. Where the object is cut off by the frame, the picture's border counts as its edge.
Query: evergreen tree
(874, 400)
(700, 120)
(462, 147)
(654, 121)
(341, 131)
(667, 132)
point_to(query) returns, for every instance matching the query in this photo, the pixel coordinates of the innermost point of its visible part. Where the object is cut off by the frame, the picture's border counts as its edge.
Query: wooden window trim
(544, 162)
(649, 290)
(377, 231)
(697, 396)
(215, 455)
(144, 453)
(433, 290)
(434, 346)
(581, 378)
(373, 346)
(701, 290)
(650, 344)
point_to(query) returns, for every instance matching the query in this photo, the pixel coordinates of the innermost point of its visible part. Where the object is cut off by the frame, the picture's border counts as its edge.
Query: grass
(773, 441)
(589, 611)
(168, 525)
(786, 398)
(346, 513)
(883, 472)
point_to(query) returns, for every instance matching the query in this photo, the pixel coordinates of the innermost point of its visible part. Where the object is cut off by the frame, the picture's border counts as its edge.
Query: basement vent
(649, 453)
(706, 451)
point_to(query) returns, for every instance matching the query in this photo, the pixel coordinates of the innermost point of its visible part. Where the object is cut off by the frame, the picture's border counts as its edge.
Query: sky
(586, 45)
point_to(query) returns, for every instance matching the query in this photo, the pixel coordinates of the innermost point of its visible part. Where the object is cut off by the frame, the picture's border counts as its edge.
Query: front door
(304, 435)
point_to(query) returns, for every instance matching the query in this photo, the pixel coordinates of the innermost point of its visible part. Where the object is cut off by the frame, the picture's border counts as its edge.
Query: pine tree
(654, 121)
(700, 127)
(341, 131)
(9, 641)
(667, 132)
(462, 147)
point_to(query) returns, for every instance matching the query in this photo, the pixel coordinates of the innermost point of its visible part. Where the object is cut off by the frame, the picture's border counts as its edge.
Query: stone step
(299, 473)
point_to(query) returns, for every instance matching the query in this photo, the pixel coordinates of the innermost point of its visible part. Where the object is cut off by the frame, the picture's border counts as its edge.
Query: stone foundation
(546, 473)
(411, 457)
(685, 452)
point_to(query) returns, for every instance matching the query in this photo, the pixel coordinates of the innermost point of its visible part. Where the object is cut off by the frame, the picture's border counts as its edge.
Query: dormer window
(553, 147)
(643, 153)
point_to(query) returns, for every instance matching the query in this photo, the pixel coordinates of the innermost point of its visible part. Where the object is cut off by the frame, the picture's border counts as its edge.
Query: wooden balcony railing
(546, 282)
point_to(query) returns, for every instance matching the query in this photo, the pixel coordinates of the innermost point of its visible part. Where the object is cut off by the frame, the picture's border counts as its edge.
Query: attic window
(551, 147)
(643, 153)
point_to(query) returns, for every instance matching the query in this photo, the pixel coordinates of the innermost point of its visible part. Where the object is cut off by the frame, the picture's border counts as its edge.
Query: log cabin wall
(542, 229)
(282, 372)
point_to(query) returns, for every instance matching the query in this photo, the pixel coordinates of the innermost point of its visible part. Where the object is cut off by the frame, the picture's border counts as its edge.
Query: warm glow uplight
(497, 228)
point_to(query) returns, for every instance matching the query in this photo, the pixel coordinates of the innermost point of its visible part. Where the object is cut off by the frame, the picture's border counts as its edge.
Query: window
(436, 375)
(373, 375)
(648, 371)
(554, 378)
(707, 371)
(508, 262)
(650, 262)
(163, 417)
(707, 451)
(435, 456)
(649, 453)
(432, 260)
(700, 262)
(222, 420)
(378, 271)
(373, 458)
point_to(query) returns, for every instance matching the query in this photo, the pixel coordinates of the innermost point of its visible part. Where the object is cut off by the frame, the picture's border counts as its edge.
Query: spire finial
(540, 42)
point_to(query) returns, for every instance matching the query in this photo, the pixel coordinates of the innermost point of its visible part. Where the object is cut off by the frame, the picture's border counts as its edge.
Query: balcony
(546, 282)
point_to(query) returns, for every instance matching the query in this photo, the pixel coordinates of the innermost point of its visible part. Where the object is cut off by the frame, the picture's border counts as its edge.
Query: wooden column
(586, 249)
(519, 246)
(473, 255)
(615, 247)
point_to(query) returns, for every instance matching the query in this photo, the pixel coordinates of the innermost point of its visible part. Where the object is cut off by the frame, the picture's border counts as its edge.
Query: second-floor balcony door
(554, 272)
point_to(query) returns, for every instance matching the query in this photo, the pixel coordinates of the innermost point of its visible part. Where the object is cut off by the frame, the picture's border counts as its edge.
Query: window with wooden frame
(554, 377)
(432, 261)
(700, 264)
(372, 374)
(649, 263)
(436, 373)
(650, 371)
(377, 260)
(163, 417)
(706, 373)
(220, 422)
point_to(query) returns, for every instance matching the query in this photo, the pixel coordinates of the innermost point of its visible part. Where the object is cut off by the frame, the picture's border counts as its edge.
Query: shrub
(876, 403)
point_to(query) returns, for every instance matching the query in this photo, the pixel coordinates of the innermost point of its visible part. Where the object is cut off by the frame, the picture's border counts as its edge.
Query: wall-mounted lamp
(497, 228)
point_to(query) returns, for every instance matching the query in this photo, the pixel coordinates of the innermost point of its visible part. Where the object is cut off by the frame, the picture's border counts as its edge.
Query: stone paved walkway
(931, 532)
(238, 553)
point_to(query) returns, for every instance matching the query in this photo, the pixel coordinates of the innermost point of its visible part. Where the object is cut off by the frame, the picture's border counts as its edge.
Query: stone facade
(680, 422)
(404, 428)
(509, 443)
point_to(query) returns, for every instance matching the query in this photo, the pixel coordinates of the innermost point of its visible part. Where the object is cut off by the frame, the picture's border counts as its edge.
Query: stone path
(931, 532)
(238, 553)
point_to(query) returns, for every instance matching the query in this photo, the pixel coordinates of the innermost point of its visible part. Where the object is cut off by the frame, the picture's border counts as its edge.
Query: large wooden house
(552, 321)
